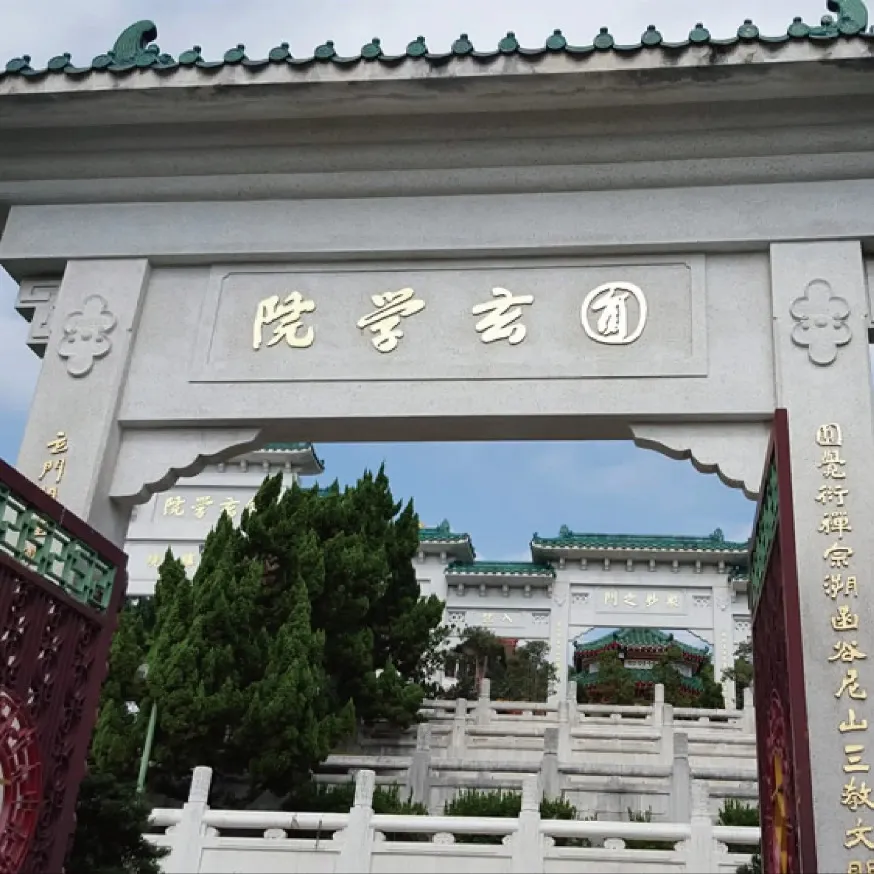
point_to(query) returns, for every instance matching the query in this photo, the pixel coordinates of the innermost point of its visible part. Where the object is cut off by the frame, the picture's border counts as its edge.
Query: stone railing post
(658, 705)
(527, 844)
(356, 840)
(667, 732)
(484, 702)
(564, 730)
(700, 850)
(549, 779)
(459, 728)
(571, 698)
(185, 854)
(681, 780)
(748, 719)
(418, 782)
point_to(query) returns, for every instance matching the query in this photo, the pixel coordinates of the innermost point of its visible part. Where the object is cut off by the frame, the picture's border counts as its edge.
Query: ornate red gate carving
(61, 587)
(785, 796)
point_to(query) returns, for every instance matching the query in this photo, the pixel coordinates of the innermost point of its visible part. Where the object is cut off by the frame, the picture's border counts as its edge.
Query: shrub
(645, 816)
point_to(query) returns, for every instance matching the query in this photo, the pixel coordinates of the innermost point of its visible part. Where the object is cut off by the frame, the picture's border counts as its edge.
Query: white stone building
(574, 585)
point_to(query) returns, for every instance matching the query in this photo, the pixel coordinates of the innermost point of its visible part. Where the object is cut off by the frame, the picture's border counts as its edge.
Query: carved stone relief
(821, 318)
(36, 304)
(85, 336)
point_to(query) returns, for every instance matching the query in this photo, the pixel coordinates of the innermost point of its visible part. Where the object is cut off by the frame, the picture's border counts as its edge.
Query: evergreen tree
(111, 820)
(711, 696)
(530, 675)
(615, 683)
(742, 671)
(664, 671)
(301, 619)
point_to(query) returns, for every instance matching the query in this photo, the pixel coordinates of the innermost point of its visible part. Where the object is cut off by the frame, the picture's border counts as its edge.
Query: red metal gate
(61, 587)
(785, 796)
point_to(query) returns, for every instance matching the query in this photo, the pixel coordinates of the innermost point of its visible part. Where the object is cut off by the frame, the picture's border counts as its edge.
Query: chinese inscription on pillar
(846, 651)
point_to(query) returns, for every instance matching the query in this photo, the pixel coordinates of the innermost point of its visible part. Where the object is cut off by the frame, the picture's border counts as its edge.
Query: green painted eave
(568, 539)
(501, 568)
(135, 49)
(442, 533)
(297, 447)
(636, 638)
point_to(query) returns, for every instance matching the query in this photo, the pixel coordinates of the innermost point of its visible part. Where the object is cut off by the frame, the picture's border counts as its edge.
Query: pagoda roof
(501, 568)
(442, 539)
(135, 53)
(638, 639)
(302, 455)
(713, 544)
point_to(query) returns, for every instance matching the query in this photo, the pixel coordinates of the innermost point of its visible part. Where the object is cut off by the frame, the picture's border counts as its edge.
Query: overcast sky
(500, 494)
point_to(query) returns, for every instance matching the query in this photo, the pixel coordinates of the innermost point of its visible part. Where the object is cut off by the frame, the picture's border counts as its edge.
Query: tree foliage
(522, 674)
(111, 820)
(298, 622)
(741, 672)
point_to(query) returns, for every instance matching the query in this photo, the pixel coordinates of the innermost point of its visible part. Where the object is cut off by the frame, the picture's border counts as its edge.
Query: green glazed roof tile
(442, 534)
(636, 638)
(505, 568)
(136, 49)
(568, 539)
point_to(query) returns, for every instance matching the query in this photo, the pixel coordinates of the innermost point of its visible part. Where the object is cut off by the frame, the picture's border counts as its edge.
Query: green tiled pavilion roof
(642, 676)
(504, 568)
(568, 539)
(636, 638)
(443, 533)
(135, 48)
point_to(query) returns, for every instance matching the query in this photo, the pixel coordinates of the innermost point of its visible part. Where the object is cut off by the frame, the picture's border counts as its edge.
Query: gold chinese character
(52, 492)
(834, 584)
(59, 445)
(250, 507)
(288, 314)
(852, 725)
(229, 506)
(501, 314)
(187, 559)
(652, 599)
(673, 600)
(845, 621)
(154, 560)
(611, 599)
(859, 868)
(174, 506)
(831, 464)
(383, 322)
(488, 618)
(58, 464)
(201, 505)
(827, 494)
(859, 835)
(855, 797)
(838, 556)
(847, 651)
(630, 600)
(829, 435)
(835, 523)
(850, 685)
(507, 618)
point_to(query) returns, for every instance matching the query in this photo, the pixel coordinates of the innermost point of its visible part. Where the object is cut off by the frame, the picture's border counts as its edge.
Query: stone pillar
(565, 741)
(184, 857)
(700, 849)
(667, 729)
(79, 388)
(723, 636)
(356, 840)
(527, 844)
(658, 705)
(748, 717)
(419, 773)
(459, 728)
(549, 776)
(558, 645)
(571, 695)
(821, 317)
(681, 780)
(484, 702)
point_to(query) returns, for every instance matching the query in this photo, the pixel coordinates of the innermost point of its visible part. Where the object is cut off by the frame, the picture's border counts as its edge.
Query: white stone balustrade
(356, 842)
